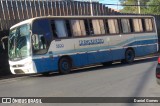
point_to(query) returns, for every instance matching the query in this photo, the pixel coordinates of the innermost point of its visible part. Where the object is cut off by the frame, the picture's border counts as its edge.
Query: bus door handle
(50, 54)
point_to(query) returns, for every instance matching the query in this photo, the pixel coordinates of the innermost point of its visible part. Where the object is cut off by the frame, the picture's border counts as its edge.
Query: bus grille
(16, 66)
(18, 71)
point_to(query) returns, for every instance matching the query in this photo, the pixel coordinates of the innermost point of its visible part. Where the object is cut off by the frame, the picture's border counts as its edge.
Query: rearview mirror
(35, 39)
(2, 41)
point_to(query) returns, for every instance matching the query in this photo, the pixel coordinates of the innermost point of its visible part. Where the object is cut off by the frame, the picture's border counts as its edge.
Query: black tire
(65, 65)
(107, 63)
(129, 56)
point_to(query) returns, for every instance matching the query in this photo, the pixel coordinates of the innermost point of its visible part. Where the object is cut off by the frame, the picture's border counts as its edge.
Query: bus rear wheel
(129, 56)
(65, 65)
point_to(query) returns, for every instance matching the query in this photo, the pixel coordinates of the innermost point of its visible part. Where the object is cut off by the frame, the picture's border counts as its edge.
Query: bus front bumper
(25, 66)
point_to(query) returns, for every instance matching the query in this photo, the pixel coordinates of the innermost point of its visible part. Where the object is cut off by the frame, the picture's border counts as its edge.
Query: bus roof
(22, 23)
(76, 17)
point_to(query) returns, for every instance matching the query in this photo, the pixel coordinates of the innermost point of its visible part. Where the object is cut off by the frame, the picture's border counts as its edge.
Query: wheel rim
(130, 55)
(65, 66)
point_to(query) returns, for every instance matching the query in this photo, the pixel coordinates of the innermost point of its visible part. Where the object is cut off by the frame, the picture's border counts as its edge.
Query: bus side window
(39, 42)
(131, 25)
(144, 25)
(140, 25)
(41, 29)
(102, 26)
(91, 30)
(148, 24)
(54, 29)
(107, 26)
(59, 28)
(68, 27)
(42, 42)
(98, 26)
(125, 26)
(78, 27)
(137, 23)
(83, 29)
(113, 26)
(87, 26)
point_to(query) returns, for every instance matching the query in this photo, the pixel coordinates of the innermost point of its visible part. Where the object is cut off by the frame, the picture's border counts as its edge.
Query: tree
(154, 7)
(134, 9)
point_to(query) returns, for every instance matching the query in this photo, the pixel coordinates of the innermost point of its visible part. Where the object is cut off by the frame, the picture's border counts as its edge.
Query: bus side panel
(146, 44)
(118, 54)
(46, 64)
(99, 56)
(92, 46)
(79, 60)
(38, 64)
(151, 46)
(145, 50)
(139, 51)
(150, 49)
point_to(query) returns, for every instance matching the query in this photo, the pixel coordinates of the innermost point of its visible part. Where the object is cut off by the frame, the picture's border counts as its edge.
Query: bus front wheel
(65, 65)
(129, 56)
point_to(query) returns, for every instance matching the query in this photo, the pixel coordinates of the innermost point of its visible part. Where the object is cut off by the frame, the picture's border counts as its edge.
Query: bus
(61, 43)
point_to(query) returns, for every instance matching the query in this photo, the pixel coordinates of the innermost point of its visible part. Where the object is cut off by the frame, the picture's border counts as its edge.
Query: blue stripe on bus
(138, 38)
(144, 42)
(49, 64)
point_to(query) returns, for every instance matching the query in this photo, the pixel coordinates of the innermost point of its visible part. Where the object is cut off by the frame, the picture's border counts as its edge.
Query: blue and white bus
(61, 43)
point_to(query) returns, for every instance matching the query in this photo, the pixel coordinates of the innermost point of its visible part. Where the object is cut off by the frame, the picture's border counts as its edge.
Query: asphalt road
(117, 80)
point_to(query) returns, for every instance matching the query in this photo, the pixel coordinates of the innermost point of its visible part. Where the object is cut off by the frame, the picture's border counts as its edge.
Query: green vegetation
(147, 6)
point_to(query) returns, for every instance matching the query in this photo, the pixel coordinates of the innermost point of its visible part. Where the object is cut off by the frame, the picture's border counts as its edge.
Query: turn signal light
(158, 60)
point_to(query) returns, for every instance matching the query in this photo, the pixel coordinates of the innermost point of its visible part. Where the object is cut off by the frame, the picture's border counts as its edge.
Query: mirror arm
(30, 32)
(5, 37)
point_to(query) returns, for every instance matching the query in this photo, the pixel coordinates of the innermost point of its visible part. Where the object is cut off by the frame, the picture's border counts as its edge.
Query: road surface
(117, 80)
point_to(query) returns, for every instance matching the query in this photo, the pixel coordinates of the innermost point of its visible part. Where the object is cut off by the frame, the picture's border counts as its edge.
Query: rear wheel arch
(130, 48)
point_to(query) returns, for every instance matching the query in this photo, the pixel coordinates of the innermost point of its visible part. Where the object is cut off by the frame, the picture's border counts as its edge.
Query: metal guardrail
(14, 11)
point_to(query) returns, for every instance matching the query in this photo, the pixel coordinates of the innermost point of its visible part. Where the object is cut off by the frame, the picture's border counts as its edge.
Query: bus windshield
(19, 39)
